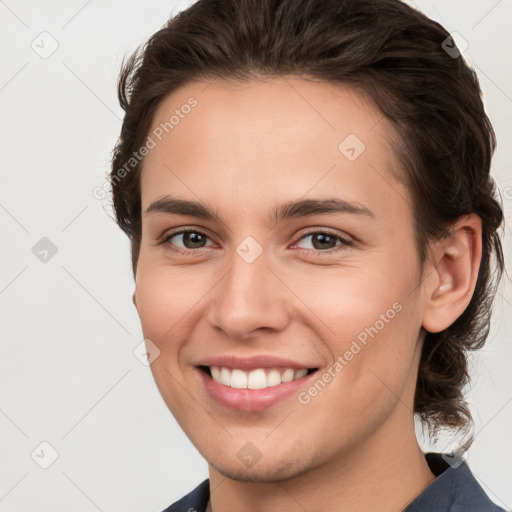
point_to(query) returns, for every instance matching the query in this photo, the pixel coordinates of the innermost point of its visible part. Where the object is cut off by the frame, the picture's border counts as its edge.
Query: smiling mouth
(258, 378)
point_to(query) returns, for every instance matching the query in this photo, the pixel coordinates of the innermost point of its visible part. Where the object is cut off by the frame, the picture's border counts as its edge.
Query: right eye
(185, 241)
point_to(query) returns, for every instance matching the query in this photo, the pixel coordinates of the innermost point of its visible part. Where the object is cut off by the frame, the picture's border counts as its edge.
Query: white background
(68, 375)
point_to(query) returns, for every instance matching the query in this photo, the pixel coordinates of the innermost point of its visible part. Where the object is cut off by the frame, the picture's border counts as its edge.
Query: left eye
(323, 241)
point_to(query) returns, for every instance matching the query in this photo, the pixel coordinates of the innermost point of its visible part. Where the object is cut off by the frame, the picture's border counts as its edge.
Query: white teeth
(273, 378)
(255, 379)
(215, 373)
(225, 377)
(287, 375)
(300, 374)
(238, 379)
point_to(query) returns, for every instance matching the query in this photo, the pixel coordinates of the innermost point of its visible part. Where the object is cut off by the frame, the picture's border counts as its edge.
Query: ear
(453, 273)
(134, 298)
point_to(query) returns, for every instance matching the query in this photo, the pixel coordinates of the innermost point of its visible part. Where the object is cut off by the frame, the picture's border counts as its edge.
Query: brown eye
(323, 241)
(186, 239)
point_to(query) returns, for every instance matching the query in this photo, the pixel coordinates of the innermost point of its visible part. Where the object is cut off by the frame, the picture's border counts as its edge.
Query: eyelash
(316, 252)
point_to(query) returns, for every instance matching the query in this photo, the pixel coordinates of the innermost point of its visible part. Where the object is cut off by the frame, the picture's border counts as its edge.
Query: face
(278, 275)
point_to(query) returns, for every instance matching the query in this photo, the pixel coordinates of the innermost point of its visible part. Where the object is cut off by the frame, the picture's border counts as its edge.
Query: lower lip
(251, 400)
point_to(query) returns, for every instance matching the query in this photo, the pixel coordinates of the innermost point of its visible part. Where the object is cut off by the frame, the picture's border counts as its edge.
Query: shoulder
(454, 489)
(195, 501)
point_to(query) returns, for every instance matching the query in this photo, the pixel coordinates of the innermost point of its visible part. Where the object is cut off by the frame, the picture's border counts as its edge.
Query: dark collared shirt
(455, 489)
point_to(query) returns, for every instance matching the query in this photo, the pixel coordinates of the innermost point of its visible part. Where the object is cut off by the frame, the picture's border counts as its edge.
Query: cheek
(373, 371)
(373, 320)
(164, 302)
(357, 301)
(164, 298)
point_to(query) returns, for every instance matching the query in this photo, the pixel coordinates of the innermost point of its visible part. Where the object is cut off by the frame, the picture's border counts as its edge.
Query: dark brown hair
(405, 62)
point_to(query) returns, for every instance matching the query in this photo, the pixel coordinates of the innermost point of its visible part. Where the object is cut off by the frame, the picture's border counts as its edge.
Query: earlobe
(134, 299)
(454, 274)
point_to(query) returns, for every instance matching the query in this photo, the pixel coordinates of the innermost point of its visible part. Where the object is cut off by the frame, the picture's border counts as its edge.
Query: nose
(249, 298)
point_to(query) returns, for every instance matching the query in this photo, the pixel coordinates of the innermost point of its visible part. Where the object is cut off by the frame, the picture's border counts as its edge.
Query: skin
(243, 150)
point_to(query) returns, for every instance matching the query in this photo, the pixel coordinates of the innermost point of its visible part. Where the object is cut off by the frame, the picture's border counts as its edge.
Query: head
(272, 115)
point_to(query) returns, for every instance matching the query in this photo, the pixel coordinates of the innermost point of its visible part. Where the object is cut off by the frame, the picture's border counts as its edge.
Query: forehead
(284, 138)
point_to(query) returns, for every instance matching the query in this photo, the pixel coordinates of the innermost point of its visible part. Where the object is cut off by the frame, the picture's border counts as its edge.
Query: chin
(262, 471)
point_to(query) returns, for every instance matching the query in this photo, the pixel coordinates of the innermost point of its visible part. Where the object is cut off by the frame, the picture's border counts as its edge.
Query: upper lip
(253, 362)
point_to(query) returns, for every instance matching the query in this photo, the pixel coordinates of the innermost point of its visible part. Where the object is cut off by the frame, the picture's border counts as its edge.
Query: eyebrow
(290, 210)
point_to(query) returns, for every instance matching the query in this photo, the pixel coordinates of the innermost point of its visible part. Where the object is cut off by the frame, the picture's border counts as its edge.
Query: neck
(386, 473)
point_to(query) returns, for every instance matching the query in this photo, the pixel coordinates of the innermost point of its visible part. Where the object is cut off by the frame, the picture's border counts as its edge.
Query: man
(307, 192)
